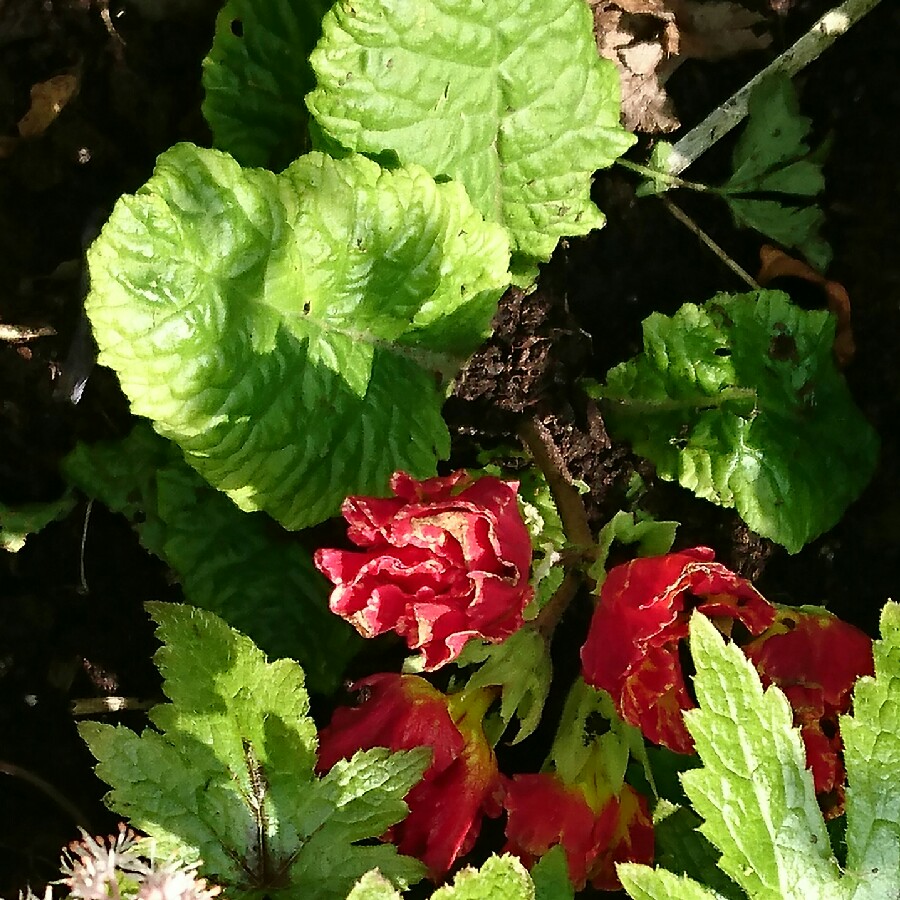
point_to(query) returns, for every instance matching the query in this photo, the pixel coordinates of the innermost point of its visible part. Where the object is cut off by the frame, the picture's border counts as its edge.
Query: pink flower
(815, 658)
(639, 627)
(445, 560)
(402, 712)
(545, 811)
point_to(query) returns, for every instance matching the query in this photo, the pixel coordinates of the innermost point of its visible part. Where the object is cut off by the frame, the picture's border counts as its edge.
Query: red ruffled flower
(402, 712)
(815, 658)
(445, 560)
(544, 811)
(635, 638)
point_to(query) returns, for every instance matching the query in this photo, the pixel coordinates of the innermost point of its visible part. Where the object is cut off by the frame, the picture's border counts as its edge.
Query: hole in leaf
(237, 27)
(722, 351)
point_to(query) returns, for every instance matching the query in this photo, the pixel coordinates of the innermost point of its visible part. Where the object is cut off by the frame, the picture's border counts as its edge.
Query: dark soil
(67, 634)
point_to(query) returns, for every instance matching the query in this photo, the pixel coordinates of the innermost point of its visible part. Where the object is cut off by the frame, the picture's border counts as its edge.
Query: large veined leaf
(227, 773)
(740, 400)
(288, 331)
(508, 97)
(256, 75)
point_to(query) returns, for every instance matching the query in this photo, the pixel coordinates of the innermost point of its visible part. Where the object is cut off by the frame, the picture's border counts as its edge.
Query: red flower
(815, 658)
(445, 560)
(635, 639)
(544, 811)
(402, 712)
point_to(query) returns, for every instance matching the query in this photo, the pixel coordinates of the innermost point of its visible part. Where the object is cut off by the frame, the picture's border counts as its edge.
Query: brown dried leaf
(47, 101)
(649, 39)
(775, 263)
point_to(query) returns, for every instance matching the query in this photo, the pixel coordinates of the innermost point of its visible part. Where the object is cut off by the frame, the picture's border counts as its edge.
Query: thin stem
(720, 121)
(548, 618)
(46, 788)
(698, 232)
(668, 178)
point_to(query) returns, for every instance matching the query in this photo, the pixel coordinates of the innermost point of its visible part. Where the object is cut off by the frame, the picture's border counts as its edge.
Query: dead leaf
(649, 39)
(775, 263)
(48, 98)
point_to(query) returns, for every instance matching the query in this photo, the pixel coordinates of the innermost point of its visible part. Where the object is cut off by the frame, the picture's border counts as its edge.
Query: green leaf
(521, 667)
(683, 850)
(510, 98)
(241, 566)
(17, 522)
(754, 792)
(772, 157)
(500, 878)
(256, 75)
(644, 883)
(228, 776)
(373, 886)
(652, 537)
(286, 331)
(871, 738)
(551, 876)
(741, 402)
(756, 795)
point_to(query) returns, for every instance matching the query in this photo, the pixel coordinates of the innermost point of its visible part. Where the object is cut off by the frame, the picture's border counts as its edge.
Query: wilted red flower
(545, 811)
(445, 560)
(402, 712)
(635, 638)
(815, 658)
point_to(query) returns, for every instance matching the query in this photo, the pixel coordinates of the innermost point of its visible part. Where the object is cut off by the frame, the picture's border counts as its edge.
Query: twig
(720, 121)
(96, 706)
(698, 232)
(14, 333)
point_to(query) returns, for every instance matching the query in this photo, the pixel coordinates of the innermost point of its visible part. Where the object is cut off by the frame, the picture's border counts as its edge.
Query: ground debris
(649, 39)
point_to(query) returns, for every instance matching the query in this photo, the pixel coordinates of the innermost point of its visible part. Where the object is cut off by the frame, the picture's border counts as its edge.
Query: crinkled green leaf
(644, 883)
(239, 565)
(287, 331)
(871, 738)
(509, 97)
(500, 878)
(754, 792)
(17, 522)
(741, 402)
(256, 75)
(772, 157)
(229, 774)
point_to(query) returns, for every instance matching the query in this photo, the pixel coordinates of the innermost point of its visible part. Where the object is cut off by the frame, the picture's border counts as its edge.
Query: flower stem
(546, 454)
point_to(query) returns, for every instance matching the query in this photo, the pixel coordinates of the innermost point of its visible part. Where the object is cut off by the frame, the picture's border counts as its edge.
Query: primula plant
(286, 314)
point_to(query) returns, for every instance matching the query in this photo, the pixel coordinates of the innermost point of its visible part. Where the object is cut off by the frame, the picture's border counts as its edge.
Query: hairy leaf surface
(872, 756)
(228, 776)
(510, 98)
(241, 566)
(287, 331)
(757, 796)
(740, 400)
(256, 75)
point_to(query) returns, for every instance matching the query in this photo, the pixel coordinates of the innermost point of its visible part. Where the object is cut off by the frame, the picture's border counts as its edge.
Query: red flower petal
(815, 658)
(633, 645)
(402, 712)
(446, 560)
(544, 811)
